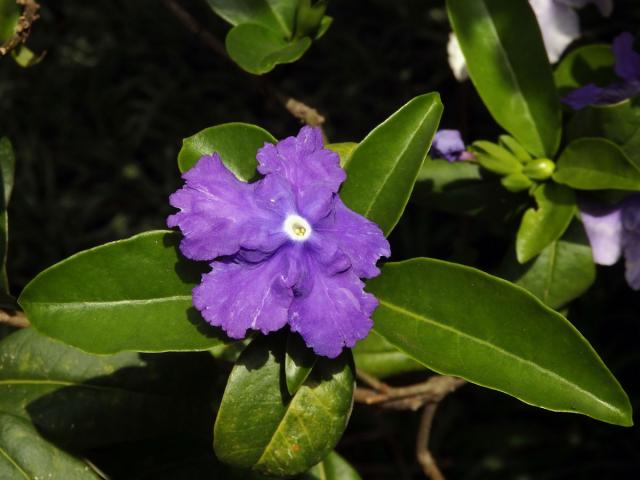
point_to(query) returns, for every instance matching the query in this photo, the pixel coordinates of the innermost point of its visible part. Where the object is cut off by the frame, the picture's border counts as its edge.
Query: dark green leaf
(278, 15)
(556, 206)
(260, 426)
(7, 170)
(563, 271)
(379, 358)
(25, 454)
(258, 49)
(299, 360)
(584, 65)
(85, 401)
(309, 17)
(383, 167)
(133, 294)
(463, 322)
(9, 15)
(596, 164)
(619, 123)
(333, 467)
(236, 143)
(516, 87)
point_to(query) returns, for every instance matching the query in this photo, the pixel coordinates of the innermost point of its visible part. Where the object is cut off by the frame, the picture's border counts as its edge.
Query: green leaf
(299, 360)
(133, 294)
(383, 167)
(9, 15)
(596, 164)
(619, 123)
(7, 170)
(333, 467)
(584, 65)
(236, 143)
(309, 18)
(258, 49)
(379, 358)
(563, 271)
(278, 15)
(84, 401)
(260, 426)
(25, 454)
(512, 144)
(508, 65)
(545, 224)
(495, 158)
(463, 322)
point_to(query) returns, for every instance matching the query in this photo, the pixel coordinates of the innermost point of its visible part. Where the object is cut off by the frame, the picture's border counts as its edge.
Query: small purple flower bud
(448, 144)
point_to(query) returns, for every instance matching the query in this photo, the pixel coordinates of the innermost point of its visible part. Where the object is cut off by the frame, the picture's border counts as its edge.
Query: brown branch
(298, 109)
(425, 459)
(23, 26)
(14, 318)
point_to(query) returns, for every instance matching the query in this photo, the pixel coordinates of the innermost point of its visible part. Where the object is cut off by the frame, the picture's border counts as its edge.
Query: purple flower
(448, 144)
(613, 231)
(286, 248)
(627, 68)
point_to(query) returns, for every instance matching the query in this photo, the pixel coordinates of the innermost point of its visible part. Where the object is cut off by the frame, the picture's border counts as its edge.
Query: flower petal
(447, 144)
(457, 63)
(238, 295)
(583, 96)
(334, 311)
(559, 25)
(219, 214)
(627, 60)
(604, 230)
(303, 161)
(358, 238)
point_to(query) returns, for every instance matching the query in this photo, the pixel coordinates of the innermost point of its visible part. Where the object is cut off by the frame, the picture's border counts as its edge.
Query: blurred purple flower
(627, 68)
(448, 144)
(287, 249)
(614, 231)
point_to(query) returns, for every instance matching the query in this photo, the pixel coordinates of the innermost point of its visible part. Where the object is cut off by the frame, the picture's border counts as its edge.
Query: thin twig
(23, 26)
(426, 460)
(14, 318)
(298, 109)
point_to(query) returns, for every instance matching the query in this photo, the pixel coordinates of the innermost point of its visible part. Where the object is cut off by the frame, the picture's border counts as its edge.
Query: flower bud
(539, 169)
(516, 182)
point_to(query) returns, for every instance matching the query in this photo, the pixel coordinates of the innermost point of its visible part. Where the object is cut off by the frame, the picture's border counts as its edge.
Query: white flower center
(297, 228)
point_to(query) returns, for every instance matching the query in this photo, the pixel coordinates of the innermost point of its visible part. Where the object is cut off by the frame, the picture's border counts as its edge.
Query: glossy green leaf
(260, 426)
(556, 206)
(383, 167)
(133, 294)
(619, 123)
(333, 467)
(563, 271)
(236, 143)
(258, 49)
(7, 170)
(584, 65)
(379, 358)
(278, 15)
(24, 454)
(84, 401)
(298, 362)
(460, 321)
(596, 164)
(516, 87)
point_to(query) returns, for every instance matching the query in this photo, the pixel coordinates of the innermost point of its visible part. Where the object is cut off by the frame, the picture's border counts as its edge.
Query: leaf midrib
(15, 464)
(76, 305)
(391, 171)
(480, 341)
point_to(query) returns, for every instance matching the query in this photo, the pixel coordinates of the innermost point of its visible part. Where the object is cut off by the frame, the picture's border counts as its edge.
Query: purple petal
(220, 214)
(333, 312)
(604, 230)
(238, 296)
(447, 144)
(604, 6)
(627, 60)
(303, 161)
(358, 238)
(583, 96)
(631, 240)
